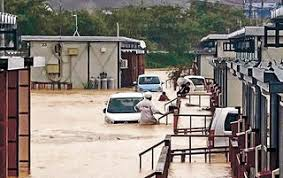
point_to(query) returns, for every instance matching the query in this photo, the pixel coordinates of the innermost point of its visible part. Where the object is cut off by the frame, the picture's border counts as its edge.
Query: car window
(123, 105)
(149, 80)
(197, 81)
(231, 117)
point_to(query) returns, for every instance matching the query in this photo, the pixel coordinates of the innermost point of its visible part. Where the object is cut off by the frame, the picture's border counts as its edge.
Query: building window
(228, 46)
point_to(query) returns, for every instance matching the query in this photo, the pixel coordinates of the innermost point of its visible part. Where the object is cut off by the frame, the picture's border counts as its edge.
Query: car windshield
(149, 80)
(123, 105)
(197, 81)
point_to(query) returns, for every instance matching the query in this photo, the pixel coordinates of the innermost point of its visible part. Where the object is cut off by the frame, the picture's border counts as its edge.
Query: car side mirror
(162, 83)
(104, 110)
(134, 83)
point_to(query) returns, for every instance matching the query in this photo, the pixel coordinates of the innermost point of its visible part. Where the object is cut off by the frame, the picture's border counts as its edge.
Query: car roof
(127, 95)
(195, 76)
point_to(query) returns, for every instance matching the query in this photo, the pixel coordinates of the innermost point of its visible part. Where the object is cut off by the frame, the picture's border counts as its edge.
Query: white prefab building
(79, 59)
(217, 47)
(212, 47)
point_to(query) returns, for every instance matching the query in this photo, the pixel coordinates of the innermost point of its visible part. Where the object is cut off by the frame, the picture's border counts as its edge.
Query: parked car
(149, 83)
(120, 107)
(198, 81)
(221, 124)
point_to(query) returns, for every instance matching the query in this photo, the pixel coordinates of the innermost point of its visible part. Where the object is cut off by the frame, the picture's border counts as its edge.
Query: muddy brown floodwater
(71, 140)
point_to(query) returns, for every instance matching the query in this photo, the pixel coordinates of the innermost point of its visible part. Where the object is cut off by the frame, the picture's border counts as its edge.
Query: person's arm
(137, 107)
(154, 110)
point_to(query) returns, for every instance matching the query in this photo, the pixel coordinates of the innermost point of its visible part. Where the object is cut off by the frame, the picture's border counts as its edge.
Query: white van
(221, 124)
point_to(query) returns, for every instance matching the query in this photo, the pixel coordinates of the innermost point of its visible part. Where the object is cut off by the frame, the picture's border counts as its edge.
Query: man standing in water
(147, 110)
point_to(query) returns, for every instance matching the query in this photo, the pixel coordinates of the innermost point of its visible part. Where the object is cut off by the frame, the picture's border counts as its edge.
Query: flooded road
(71, 140)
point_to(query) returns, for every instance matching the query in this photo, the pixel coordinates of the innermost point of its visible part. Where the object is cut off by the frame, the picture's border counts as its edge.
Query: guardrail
(275, 173)
(163, 164)
(166, 142)
(200, 95)
(207, 151)
(191, 129)
(166, 104)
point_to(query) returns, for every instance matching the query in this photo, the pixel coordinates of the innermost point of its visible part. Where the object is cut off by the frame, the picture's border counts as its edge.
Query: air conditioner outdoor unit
(124, 63)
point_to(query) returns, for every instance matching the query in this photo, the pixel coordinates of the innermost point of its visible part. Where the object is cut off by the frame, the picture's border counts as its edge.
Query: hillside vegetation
(164, 28)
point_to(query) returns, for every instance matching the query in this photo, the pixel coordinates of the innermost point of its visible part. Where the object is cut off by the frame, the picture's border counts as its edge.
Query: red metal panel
(13, 123)
(24, 120)
(3, 125)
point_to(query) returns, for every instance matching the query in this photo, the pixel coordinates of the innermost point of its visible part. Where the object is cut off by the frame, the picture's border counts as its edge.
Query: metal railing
(166, 104)
(166, 142)
(207, 151)
(264, 158)
(163, 164)
(191, 129)
(275, 173)
(199, 95)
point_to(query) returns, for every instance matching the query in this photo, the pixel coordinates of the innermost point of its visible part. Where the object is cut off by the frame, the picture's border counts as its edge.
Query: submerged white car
(120, 108)
(198, 81)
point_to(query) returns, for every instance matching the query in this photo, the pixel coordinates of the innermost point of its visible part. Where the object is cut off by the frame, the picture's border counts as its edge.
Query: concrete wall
(223, 54)
(270, 54)
(234, 90)
(206, 70)
(75, 68)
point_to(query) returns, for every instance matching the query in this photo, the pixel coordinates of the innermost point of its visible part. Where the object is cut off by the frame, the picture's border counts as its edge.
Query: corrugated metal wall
(14, 122)
(3, 125)
(24, 120)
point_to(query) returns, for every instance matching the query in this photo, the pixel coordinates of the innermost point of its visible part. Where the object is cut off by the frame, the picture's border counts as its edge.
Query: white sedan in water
(120, 108)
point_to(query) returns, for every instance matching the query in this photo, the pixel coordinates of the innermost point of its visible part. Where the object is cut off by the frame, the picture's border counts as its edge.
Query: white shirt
(147, 110)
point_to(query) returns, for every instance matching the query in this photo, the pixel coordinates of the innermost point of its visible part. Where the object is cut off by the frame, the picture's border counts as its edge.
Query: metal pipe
(118, 68)
(263, 130)
(257, 107)
(275, 173)
(152, 159)
(88, 63)
(274, 101)
(257, 148)
(140, 162)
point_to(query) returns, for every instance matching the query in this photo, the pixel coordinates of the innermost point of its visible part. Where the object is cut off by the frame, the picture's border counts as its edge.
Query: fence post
(175, 122)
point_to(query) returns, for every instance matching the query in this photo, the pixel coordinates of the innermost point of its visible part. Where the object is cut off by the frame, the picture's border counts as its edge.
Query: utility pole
(250, 9)
(118, 29)
(60, 16)
(76, 33)
(2, 35)
(2, 6)
(261, 13)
